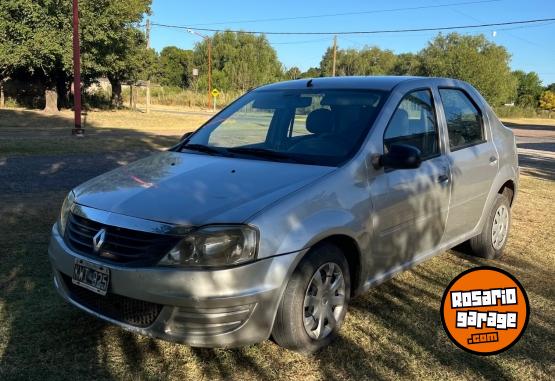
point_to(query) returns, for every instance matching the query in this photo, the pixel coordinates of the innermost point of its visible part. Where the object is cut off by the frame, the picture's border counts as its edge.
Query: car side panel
(473, 170)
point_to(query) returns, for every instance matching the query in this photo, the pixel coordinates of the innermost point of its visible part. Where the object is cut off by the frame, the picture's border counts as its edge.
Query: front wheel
(315, 301)
(493, 238)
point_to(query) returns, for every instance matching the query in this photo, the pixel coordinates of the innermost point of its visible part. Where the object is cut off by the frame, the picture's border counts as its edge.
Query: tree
(312, 72)
(474, 59)
(529, 88)
(547, 101)
(10, 52)
(112, 46)
(176, 67)
(551, 87)
(293, 73)
(407, 64)
(39, 32)
(367, 61)
(239, 61)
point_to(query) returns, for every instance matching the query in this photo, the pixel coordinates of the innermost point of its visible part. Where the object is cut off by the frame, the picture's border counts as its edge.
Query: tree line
(35, 47)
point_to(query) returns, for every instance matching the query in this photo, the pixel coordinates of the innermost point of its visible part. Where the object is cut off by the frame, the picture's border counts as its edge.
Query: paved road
(536, 151)
(30, 174)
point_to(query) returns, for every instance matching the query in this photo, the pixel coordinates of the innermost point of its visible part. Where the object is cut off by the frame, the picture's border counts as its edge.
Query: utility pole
(77, 129)
(334, 54)
(209, 71)
(209, 43)
(148, 81)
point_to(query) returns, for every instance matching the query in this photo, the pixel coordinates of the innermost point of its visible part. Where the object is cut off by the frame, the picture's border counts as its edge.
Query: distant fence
(171, 96)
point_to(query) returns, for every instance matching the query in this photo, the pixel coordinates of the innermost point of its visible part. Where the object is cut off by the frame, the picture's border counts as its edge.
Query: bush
(175, 96)
(517, 112)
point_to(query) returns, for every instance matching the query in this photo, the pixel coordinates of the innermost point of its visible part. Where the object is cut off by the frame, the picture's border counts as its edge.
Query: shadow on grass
(24, 133)
(48, 158)
(391, 328)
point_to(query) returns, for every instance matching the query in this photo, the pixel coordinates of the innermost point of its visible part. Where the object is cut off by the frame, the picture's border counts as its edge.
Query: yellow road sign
(215, 92)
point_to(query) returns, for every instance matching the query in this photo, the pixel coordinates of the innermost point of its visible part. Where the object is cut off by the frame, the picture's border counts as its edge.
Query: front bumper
(206, 308)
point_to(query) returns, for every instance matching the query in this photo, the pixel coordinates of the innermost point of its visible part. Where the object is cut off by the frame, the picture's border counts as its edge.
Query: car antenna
(309, 83)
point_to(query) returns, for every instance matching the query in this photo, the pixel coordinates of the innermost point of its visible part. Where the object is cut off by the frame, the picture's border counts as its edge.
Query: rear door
(410, 205)
(472, 158)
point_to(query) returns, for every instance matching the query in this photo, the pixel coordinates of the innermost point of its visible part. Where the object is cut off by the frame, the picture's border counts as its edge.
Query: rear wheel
(315, 301)
(491, 242)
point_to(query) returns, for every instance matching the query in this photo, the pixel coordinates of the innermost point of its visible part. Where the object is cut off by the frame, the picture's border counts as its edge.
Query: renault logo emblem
(98, 240)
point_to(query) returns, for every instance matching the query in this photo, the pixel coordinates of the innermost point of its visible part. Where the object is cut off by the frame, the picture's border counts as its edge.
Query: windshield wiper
(262, 152)
(205, 149)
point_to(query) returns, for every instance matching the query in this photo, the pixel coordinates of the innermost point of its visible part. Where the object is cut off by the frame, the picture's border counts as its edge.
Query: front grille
(121, 308)
(121, 246)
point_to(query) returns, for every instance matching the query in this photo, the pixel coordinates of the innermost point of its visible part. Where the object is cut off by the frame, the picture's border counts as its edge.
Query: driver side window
(414, 123)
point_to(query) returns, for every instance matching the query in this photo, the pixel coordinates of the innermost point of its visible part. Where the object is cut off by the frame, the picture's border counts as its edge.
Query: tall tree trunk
(116, 99)
(51, 100)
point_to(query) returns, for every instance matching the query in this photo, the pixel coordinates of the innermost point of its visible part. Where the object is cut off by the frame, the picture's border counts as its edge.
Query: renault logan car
(283, 206)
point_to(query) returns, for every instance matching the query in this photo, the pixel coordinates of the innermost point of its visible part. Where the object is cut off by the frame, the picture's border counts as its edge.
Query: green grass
(24, 132)
(391, 332)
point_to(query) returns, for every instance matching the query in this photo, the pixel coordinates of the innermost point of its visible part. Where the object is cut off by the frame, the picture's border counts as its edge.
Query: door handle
(492, 160)
(443, 179)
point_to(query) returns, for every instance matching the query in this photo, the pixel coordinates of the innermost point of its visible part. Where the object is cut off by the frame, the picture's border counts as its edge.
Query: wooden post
(131, 96)
(148, 96)
(334, 54)
(148, 82)
(209, 71)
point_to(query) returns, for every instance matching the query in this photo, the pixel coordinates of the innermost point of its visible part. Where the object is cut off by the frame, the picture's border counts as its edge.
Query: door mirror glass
(401, 156)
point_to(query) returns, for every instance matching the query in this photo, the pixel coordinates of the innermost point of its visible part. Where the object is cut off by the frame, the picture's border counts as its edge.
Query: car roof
(386, 83)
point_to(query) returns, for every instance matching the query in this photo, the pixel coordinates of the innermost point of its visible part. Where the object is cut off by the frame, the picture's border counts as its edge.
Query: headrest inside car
(320, 121)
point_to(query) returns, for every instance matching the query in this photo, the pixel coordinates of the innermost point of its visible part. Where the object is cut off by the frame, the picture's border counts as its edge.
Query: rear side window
(464, 120)
(414, 123)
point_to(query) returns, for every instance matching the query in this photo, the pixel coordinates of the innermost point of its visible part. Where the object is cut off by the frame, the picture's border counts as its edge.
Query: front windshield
(323, 127)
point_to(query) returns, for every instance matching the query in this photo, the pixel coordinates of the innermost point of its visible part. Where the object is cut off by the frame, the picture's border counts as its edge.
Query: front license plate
(91, 276)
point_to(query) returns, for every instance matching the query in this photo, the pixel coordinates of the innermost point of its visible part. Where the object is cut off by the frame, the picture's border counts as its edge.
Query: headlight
(214, 246)
(64, 213)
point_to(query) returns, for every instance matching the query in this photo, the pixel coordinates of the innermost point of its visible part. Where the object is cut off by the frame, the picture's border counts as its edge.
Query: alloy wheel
(500, 227)
(324, 301)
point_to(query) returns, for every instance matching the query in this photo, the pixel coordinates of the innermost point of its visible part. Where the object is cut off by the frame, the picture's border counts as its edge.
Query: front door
(472, 158)
(410, 205)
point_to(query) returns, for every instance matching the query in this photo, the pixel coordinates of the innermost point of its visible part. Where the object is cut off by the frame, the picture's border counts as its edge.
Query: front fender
(297, 232)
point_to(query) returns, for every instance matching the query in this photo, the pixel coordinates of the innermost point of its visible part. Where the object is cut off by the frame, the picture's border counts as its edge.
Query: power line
(506, 29)
(348, 13)
(298, 42)
(519, 22)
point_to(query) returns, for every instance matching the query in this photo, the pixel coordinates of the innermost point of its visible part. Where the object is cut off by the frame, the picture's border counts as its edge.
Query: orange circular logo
(485, 310)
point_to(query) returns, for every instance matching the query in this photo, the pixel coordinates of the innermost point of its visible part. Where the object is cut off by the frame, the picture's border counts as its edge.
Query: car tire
(310, 312)
(491, 242)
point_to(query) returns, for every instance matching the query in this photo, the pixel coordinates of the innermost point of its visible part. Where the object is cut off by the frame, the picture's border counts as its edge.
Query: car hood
(195, 189)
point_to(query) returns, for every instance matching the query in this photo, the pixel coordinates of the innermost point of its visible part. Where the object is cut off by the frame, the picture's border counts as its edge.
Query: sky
(532, 46)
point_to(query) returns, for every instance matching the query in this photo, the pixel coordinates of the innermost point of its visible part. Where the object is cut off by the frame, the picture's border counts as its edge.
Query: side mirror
(186, 135)
(400, 156)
